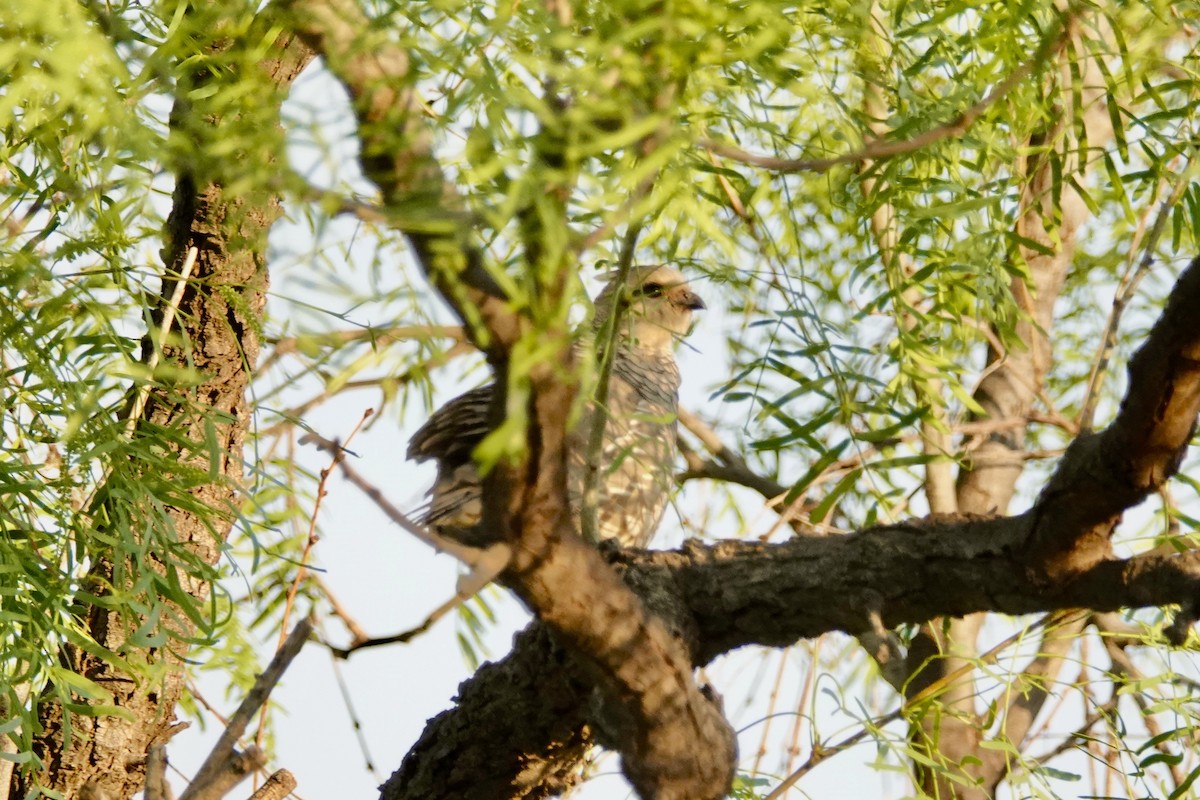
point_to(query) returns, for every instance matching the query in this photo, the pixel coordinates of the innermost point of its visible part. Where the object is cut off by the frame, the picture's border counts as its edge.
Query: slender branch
(157, 787)
(302, 566)
(375, 336)
(337, 457)
(404, 637)
(212, 779)
(1126, 288)
(469, 556)
(157, 342)
(278, 786)
(1128, 675)
(484, 565)
(881, 149)
(355, 721)
(728, 465)
(357, 632)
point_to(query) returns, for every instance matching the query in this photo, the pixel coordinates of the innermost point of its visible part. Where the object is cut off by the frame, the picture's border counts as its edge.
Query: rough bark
(734, 594)
(615, 646)
(218, 314)
(548, 737)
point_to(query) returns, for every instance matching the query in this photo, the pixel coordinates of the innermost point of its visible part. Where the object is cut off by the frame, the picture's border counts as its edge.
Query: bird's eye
(653, 290)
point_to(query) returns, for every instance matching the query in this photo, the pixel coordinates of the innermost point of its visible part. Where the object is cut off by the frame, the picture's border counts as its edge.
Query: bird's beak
(689, 299)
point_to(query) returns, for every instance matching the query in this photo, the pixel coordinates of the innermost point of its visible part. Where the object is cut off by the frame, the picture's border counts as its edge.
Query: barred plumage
(638, 447)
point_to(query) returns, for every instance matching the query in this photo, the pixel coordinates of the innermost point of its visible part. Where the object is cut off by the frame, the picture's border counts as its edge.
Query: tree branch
(397, 157)
(225, 764)
(734, 593)
(1102, 475)
(881, 149)
(674, 740)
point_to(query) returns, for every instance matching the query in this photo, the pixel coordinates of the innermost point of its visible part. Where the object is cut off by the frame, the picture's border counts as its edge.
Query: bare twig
(224, 761)
(277, 787)
(727, 464)
(407, 636)
(1128, 285)
(302, 568)
(239, 766)
(357, 632)
(469, 556)
(484, 565)
(363, 748)
(157, 342)
(311, 542)
(157, 787)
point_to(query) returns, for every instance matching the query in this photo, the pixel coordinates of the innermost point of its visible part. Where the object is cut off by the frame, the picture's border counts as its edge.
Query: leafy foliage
(856, 300)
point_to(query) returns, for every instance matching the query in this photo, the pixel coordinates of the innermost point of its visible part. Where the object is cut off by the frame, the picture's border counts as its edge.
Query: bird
(644, 312)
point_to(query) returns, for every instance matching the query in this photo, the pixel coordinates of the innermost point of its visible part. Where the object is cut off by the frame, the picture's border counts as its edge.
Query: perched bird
(643, 316)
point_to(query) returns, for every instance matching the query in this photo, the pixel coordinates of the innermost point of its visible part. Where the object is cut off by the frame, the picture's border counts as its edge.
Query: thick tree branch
(735, 593)
(495, 743)
(397, 156)
(674, 740)
(1102, 475)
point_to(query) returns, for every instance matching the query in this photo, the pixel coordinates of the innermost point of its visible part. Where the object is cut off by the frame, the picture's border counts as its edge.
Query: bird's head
(656, 306)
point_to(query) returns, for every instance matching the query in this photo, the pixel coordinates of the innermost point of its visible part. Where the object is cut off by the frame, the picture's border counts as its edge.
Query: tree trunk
(219, 317)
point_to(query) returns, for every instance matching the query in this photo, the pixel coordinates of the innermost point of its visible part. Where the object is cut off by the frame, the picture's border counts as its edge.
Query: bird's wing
(452, 432)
